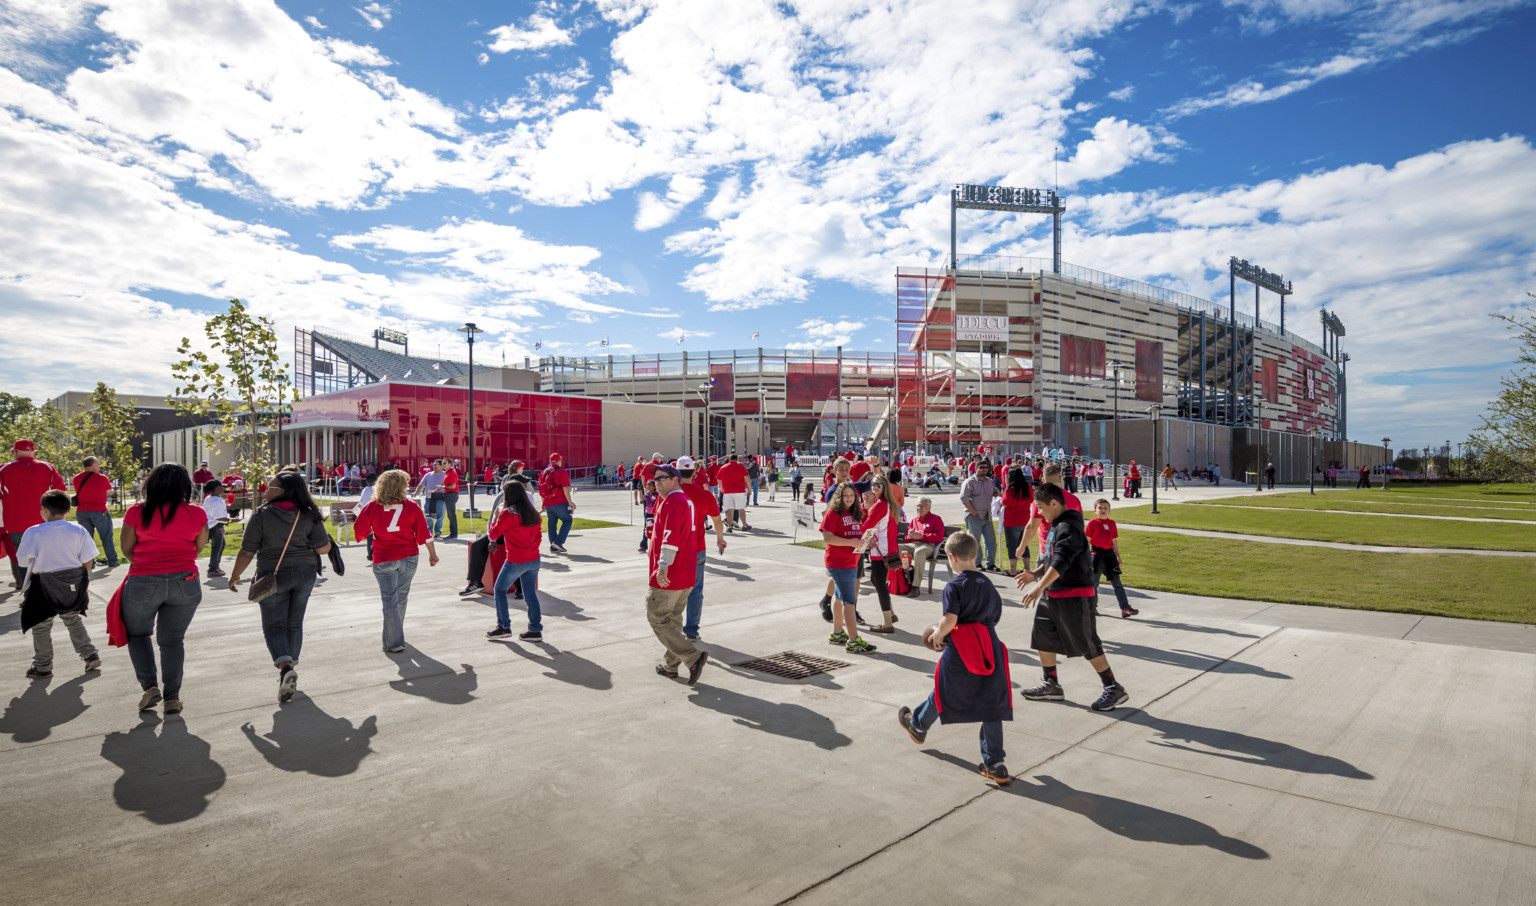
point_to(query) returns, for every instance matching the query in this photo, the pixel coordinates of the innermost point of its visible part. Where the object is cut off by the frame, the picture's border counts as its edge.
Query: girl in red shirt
(843, 529)
(518, 528)
(1016, 500)
(162, 536)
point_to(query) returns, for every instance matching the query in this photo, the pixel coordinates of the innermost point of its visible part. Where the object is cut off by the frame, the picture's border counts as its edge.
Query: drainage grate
(793, 665)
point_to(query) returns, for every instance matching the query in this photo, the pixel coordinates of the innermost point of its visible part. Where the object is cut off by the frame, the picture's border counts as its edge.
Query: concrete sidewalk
(1259, 761)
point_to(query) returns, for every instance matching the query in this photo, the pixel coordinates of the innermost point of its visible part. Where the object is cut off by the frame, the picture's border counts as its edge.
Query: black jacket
(51, 594)
(269, 528)
(1069, 553)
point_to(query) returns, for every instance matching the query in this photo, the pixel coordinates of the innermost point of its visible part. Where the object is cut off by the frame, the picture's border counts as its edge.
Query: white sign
(986, 328)
(804, 515)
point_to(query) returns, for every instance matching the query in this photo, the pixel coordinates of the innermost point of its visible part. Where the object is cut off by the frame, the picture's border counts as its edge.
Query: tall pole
(1312, 457)
(469, 330)
(1156, 419)
(1114, 467)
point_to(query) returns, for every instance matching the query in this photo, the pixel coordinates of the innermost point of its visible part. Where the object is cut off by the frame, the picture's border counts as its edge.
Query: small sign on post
(802, 515)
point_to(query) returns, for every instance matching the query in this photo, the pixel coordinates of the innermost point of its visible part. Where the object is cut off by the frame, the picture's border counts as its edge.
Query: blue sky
(565, 172)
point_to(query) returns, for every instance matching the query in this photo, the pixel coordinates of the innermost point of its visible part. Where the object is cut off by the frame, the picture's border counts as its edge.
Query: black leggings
(877, 574)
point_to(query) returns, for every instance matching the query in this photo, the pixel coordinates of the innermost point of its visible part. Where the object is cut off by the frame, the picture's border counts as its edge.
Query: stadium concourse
(1261, 758)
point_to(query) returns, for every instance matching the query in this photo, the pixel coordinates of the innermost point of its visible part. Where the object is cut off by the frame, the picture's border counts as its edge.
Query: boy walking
(971, 683)
(57, 556)
(218, 517)
(1065, 623)
(1104, 536)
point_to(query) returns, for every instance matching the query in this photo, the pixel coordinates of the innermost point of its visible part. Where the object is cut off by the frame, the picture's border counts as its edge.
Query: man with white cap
(23, 481)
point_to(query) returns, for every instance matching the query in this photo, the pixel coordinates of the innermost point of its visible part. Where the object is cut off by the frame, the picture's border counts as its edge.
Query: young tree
(239, 383)
(1507, 437)
(110, 434)
(57, 434)
(13, 409)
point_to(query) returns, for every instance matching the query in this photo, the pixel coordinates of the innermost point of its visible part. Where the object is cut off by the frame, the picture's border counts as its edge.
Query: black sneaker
(904, 717)
(1111, 699)
(472, 588)
(698, 667)
(1045, 692)
(997, 773)
(1128, 612)
(531, 636)
(34, 673)
(826, 609)
(93, 663)
(500, 632)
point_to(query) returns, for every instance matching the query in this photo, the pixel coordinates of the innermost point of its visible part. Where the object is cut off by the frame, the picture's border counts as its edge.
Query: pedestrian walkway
(1239, 506)
(1336, 545)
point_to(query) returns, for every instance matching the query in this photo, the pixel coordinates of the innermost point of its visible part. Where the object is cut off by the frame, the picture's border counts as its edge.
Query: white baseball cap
(685, 462)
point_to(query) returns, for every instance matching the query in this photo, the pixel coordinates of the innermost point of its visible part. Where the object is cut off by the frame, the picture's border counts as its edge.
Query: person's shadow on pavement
(1241, 747)
(167, 776)
(566, 666)
(781, 719)
(433, 679)
(306, 739)
(32, 715)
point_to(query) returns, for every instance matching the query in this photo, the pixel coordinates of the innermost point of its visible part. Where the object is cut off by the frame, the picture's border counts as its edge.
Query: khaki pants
(664, 609)
(921, 554)
(42, 640)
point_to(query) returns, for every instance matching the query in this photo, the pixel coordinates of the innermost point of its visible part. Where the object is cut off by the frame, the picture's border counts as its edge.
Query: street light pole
(762, 403)
(1156, 419)
(469, 330)
(1312, 461)
(1114, 467)
(1386, 470)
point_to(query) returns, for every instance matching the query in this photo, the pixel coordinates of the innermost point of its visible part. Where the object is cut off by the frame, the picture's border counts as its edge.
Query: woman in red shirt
(162, 536)
(843, 529)
(518, 528)
(1016, 500)
(398, 527)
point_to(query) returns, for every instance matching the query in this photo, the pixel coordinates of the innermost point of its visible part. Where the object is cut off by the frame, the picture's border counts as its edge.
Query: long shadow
(433, 679)
(1190, 627)
(787, 720)
(583, 558)
(725, 573)
(1192, 659)
(549, 606)
(713, 560)
(168, 776)
(305, 739)
(1240, 747)
(566, 666)
(32, 715)
(1128, 819)
(11, 622)
(915, 664)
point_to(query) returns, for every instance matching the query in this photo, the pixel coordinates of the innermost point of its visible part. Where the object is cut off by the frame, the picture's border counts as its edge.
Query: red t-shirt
(552, 484)
(1134, 472)
(22, 485)
(871, 519)
(92, 489)
(733, 478)
(647, 472)
(713, 474)
(1101, 532)
(164, 547)
(859, 470)
(522, 540)
(842, 525)
(201, 477)
(451, 481)
(704, 506)
(1016, 510)
(1045, 524)
(674, 528)
(397, 530)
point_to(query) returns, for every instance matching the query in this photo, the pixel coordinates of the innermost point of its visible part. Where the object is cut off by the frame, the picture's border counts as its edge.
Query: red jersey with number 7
(397, 530)
(674, 529)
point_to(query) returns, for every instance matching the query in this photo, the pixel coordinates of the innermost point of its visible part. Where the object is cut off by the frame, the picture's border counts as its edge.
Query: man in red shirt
(451, 499)
(672, 562)
(733, 493)
(1037, 520)
(704, 510)
(91, 489)
(23, 481)
(202, 476)
(862, 469)
(558, 498)
(712, 478)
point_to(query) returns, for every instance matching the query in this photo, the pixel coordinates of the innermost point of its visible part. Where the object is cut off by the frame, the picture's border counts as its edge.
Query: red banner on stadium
(1149, 371)
(1082, 357)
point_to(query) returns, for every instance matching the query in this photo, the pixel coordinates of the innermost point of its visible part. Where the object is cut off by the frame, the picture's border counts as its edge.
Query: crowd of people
(868, 531)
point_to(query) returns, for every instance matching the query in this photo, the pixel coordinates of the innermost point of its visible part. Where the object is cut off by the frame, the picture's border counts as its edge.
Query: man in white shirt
(218, 517)
(55, 554)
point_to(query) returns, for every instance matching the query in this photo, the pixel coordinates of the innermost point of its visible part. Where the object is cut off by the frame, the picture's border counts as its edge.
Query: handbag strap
(296, 517)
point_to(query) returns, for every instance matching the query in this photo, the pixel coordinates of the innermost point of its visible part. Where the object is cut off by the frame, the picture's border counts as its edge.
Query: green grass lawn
(1481, 588)
(1295, 523)
(1383, 504)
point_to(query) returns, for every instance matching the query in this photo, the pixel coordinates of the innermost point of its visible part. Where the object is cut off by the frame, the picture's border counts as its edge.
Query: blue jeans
(101, 524)
(435, 511)
(559, 522)
(162, 605)
(845, 584)
(215, 545)
(695, 601)
(753, 489)
(1013, 536)
(981, 527)
(394, 580)
(511, 572)
(282, 612)
(991, 731)
(450, 506)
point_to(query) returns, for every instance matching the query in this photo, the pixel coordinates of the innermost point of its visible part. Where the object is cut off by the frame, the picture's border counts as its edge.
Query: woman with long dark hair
(1016, 500)
(518, 528)
(842, 528)
(273, 540)
(162, 535)
(881, 539)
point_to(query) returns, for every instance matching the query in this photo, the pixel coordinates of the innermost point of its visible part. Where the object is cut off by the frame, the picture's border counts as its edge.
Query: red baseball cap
(24, 447)
(554, 457)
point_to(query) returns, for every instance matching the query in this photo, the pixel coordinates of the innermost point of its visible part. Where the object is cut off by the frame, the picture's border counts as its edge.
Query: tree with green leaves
(111, 435)
(1507, 438)
(59, 436)
(13, 409)
(238, 383)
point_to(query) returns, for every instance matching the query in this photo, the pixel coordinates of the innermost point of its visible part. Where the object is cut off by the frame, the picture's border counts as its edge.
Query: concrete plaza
(1268, 754)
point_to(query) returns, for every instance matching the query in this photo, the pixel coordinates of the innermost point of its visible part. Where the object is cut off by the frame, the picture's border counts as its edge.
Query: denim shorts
(845, 583)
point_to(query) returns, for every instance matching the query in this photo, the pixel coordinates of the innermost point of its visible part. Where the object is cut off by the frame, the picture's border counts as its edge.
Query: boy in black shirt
(1066, 623)
(971, 683)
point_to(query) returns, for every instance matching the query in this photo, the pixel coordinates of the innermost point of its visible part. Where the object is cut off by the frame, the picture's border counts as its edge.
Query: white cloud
(1122, 94)
(314, 23)
(547, 93)
(656, 211)
(375, 14)
(537, 32)
(820, 334)
(349, 54)
(684, 333)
